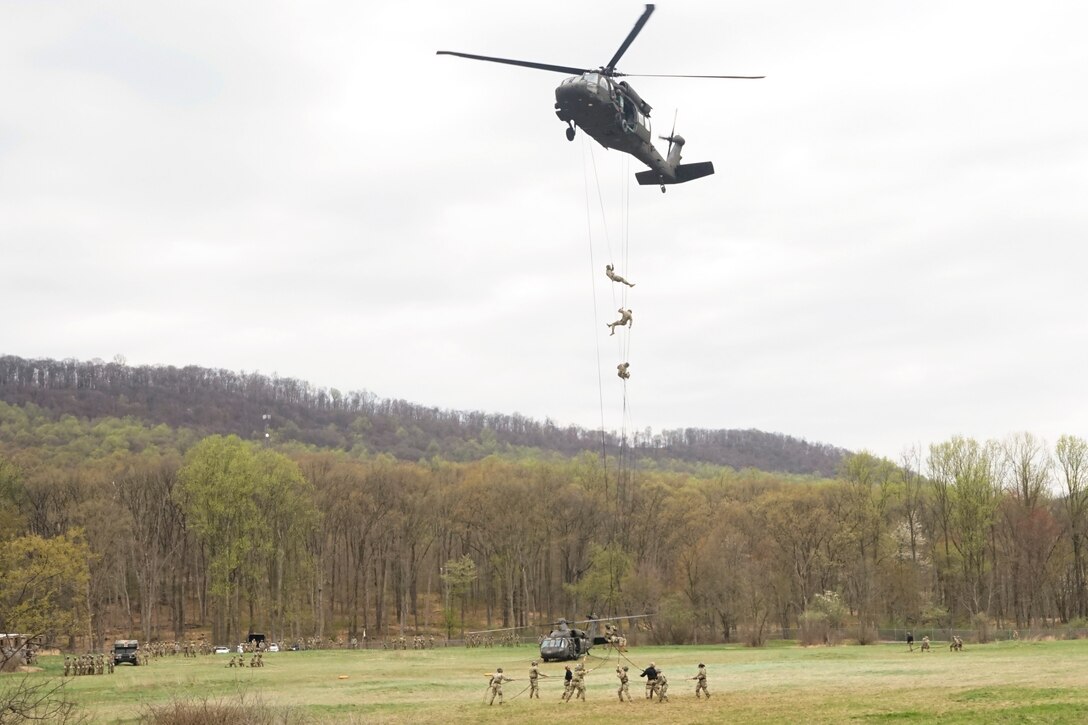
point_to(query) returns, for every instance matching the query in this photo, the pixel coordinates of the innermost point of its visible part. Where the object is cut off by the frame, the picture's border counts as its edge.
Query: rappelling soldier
(622, 371)
(624, 321)
(621, 673)
(496, 685)
(608, 270)
(700, 684)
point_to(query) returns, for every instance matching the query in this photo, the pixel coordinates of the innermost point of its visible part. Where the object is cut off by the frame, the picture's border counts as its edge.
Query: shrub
(203, 711)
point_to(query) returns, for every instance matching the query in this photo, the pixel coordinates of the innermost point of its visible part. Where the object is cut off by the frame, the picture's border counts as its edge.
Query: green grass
(997, 683)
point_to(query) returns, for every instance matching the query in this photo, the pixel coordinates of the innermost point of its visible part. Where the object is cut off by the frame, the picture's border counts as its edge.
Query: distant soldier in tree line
(700, 685)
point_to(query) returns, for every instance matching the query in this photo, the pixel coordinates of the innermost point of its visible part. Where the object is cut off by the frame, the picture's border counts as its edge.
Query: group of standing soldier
(87, 665)
(417, 642)
(574, 685)
(257, 660)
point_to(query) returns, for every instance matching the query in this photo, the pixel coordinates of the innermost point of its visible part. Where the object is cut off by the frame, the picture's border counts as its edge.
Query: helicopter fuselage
(615, 116)
(565, 644)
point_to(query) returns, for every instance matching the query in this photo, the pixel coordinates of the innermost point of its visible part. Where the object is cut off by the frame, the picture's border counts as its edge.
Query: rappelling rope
(593, 282)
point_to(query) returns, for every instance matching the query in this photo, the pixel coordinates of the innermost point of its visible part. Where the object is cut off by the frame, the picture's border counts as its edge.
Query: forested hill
(224, 401)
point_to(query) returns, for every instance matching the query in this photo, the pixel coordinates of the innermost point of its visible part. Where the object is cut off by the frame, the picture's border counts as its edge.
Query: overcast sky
(892, 251)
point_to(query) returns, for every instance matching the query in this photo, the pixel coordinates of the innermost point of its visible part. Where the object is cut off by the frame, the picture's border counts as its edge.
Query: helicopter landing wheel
(570, 133)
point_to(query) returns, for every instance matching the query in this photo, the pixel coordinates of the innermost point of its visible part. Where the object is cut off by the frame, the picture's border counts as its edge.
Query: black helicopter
(615, 115)
(565, 642)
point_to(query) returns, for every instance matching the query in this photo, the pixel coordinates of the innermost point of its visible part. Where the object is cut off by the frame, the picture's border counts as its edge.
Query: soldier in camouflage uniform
(622, 370)
(577, 684)
(611, 274)
(496, 685)
(568, 676)
(67, 666)
(534, 673)
(700, 685)
(662, 687)
(621, 673)
(626, 319)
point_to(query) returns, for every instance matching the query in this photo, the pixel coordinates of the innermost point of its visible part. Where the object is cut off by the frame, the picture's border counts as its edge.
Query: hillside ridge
(222, 401)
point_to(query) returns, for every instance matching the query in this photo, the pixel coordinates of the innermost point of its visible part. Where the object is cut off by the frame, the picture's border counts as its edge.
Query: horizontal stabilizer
(684, 172)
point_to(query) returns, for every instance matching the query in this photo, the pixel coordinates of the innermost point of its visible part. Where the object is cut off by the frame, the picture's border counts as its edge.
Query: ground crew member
(534, 673)
(578, 683)
(650, 673)
(608, 270)
(621, 370)
(925, 643)
(567, 677)
(910, 641)
(700, 685)
(662, 687)
(496, 685)
(625, 320)
(621, 672)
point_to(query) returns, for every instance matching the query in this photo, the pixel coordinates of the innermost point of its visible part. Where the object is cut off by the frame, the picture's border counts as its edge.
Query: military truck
(124, 650)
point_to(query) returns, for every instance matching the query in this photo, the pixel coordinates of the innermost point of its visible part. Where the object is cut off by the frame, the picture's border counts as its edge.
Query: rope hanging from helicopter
(619, 300)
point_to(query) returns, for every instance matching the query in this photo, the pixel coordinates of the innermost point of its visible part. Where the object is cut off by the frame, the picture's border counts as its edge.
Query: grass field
(1010, 682)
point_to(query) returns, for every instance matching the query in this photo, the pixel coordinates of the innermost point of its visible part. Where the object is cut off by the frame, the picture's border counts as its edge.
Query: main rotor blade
(670, 75)
(630, 37)
(570, 70)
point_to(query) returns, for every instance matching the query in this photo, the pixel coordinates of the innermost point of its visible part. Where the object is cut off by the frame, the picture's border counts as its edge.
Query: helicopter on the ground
(565, 642)
(611, 112)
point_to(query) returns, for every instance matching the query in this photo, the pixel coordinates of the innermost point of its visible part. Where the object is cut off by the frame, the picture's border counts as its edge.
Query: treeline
(226, 402)
(182, 532)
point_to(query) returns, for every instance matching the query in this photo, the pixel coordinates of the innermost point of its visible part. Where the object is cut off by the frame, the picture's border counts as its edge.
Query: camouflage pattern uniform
(700, 686)
(578, 682)
(496, 685)
(610, 273)
(568, 677)
(662, 687)
(625, 320)
(534, 673)
(622, 370)
(621, 672)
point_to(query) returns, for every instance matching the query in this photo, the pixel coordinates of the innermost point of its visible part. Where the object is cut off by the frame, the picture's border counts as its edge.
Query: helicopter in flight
(564, 642)
(614, 114)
